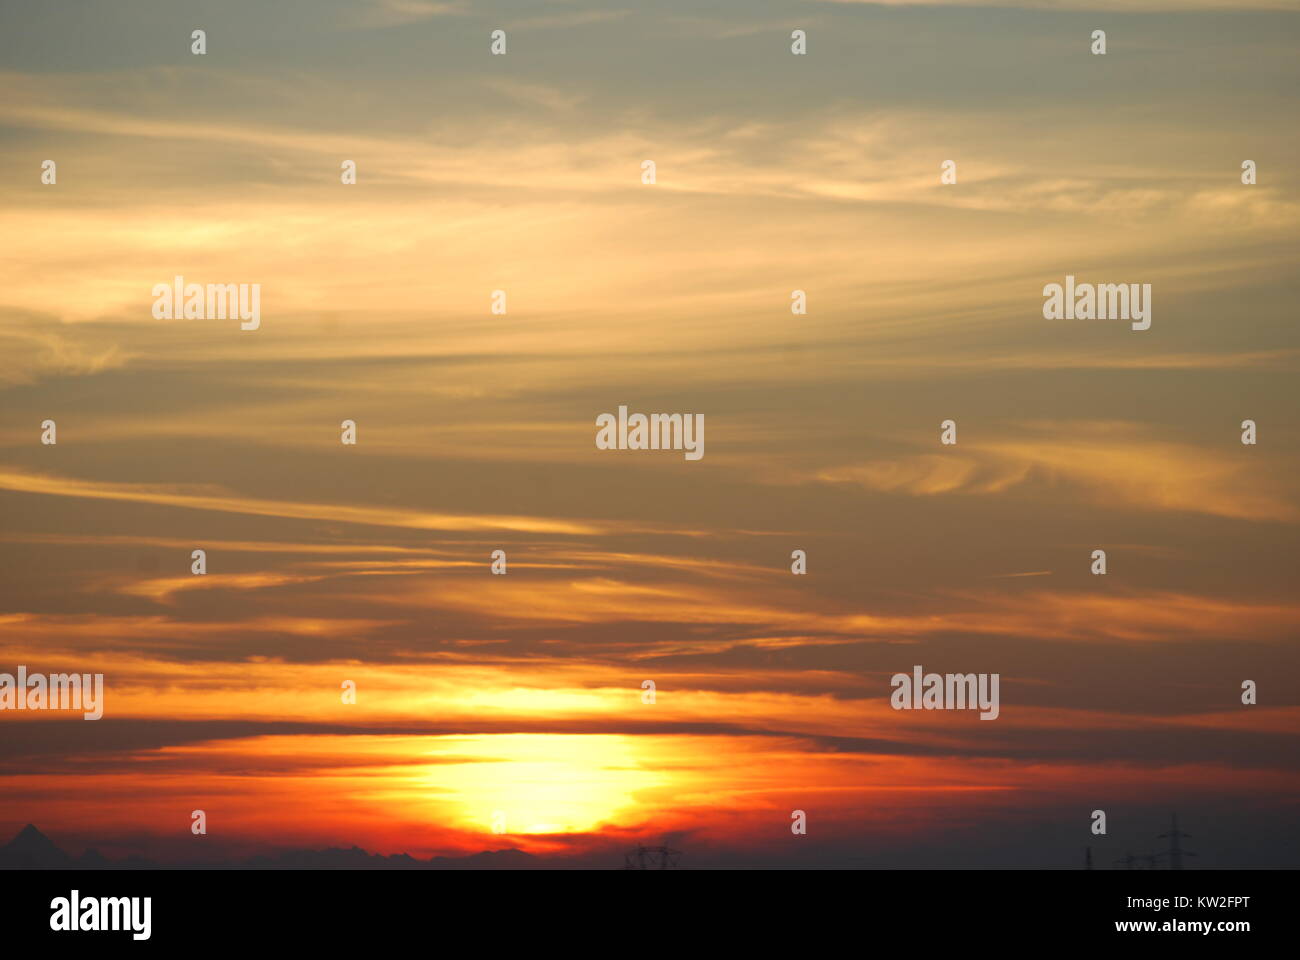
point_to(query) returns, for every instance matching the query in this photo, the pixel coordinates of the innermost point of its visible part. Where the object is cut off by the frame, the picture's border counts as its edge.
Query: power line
(651, 858)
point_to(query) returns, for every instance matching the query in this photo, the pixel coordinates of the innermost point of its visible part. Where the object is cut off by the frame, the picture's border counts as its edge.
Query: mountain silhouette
(356, 858)
(33, 849)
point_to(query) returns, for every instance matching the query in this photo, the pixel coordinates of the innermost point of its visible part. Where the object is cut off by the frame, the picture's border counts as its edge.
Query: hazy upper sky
(522, 693)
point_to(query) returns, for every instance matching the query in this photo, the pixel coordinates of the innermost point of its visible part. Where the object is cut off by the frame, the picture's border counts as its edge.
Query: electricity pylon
(1176, 853)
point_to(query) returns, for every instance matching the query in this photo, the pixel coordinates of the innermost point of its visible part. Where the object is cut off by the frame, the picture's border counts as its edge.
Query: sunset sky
(521, 694)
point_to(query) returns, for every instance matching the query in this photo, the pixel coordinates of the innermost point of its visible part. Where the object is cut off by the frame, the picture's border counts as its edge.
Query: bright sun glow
(543, 784)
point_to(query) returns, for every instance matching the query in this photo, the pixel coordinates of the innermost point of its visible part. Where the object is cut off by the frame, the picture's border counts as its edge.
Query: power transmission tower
(1176, 852)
